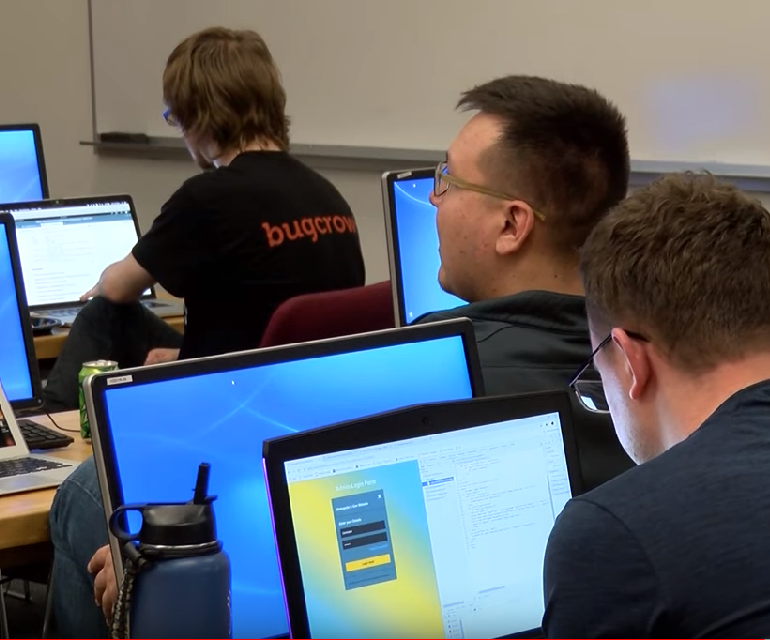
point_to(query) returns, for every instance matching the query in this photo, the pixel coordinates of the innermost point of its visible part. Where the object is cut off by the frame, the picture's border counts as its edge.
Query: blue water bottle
(176, 581)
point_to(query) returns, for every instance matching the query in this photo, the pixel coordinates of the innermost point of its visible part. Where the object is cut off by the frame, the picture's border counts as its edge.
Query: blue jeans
(78, 529)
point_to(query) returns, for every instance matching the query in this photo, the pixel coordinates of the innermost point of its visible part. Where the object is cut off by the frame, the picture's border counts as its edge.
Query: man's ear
(635, 362)
(518, 221)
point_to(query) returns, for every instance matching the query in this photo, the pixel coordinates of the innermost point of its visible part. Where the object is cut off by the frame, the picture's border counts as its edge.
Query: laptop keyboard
(63, 313)
(23, 466)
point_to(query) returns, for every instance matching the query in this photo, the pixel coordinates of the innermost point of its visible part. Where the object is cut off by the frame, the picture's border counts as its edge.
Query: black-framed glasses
(170, 118)
(587, 384)
(442, 180)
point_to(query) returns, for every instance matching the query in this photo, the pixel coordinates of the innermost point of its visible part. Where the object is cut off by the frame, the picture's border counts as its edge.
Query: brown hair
(224, 84)
(564, 146)
(686, 263)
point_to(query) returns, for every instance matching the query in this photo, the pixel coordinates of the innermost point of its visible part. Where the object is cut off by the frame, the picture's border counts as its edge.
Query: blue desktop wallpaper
(417, 238)
(19, 176)
(163, 431)
(14, 369)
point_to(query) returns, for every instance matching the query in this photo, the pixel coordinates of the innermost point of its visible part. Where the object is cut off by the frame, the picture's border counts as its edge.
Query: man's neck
(226, 157)
(563, 281)
(693, 399)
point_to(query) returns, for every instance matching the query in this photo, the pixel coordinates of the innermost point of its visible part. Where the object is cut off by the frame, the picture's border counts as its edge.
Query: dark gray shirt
(677, 547)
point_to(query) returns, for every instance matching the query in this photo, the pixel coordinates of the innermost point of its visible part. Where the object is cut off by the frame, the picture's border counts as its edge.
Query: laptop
(22, 163)
(21, 471)
(171, 417)
(410, 227)
(65, 245)
(426, 522)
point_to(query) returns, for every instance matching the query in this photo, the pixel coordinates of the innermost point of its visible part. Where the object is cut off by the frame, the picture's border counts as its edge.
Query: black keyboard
(23, 466)
(39, 437)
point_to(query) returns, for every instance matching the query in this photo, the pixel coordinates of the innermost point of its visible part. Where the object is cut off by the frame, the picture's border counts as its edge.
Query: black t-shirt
(677, 547)
(237, 241)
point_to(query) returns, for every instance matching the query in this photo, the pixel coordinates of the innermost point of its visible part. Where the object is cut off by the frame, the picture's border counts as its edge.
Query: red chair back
(331, 314)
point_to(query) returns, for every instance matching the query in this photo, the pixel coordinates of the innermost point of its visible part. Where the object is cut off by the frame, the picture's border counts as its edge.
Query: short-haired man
(526, 179)
(537, 165)
(677, 283)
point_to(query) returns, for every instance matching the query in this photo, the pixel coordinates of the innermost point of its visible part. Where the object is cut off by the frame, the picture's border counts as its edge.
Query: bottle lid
(175, 528)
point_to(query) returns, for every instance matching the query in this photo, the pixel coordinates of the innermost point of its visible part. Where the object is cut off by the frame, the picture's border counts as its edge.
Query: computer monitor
(219, 410)
(410, 225)
(19, 371)
(428, 522)
(65, 244)
(22, 163)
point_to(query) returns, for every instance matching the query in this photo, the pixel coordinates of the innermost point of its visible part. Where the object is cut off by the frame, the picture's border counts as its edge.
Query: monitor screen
(22, 168)
(15, 371)
(222, 418)
(65, 247)
(437, 536)
(416, 249)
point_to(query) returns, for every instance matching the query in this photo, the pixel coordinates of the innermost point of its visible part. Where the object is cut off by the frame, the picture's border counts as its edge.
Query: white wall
(45, 78)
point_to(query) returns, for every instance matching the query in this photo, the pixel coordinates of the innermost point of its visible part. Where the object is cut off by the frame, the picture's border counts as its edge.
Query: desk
(24, 516)
(48, 347)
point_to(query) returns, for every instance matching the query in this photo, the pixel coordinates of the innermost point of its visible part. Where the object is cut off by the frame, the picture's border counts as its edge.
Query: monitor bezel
(391, 426)
(39, 153)
(96, 385)
(389, 179)
(34, 402)
(78, 201)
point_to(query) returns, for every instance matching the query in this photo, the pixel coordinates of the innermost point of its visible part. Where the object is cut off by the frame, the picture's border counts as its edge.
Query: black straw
(202, 483)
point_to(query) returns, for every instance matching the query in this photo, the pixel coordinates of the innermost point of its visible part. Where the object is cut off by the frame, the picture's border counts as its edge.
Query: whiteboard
(690, 75)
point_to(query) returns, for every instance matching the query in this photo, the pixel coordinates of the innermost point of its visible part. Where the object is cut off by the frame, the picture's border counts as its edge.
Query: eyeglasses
(587, 384)
(442, 181)
(170, 118)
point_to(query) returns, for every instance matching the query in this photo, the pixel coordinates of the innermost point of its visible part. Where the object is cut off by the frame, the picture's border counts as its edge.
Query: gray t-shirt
(678, 547)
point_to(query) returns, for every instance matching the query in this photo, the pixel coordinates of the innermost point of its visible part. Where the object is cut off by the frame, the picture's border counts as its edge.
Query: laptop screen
(438, 536)
(172, 425)
(15, 367)
(64, 247)
(22, 168)
(415, 250)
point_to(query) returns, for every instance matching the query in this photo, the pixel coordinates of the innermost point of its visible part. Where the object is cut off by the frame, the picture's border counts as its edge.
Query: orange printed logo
(307, 228)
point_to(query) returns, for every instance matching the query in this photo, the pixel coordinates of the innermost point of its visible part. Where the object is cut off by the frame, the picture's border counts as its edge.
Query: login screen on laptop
(223, 418)
(436, 536)
(14, 368)
(414, 232)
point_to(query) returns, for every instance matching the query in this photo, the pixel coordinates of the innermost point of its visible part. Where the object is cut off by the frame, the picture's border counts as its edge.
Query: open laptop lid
(18, 362)
(23, 174)
(171, 417)
(425, 522)
(12, 443)
(66, 243)
(410, 227)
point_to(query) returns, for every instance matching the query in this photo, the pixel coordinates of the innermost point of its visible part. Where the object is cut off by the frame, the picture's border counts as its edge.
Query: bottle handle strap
(133, 563)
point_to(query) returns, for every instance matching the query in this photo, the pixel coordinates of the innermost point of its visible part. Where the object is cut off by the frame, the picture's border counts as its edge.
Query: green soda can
(88, 368)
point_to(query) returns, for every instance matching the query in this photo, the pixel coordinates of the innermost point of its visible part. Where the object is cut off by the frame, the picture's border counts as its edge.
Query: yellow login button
(366, 563)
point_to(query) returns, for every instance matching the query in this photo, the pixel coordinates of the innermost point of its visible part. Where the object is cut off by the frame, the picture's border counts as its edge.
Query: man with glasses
(526, 179)
(532, 171)
(677, 283)
(260, 226)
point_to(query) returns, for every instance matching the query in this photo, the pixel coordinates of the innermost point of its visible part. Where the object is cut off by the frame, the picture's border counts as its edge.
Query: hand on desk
(105, 580)
(156, 356)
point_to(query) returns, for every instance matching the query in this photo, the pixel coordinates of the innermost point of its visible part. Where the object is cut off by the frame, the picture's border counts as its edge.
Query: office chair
(331, 314)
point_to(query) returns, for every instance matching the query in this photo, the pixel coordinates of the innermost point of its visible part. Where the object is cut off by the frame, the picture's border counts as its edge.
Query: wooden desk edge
(24, 516)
